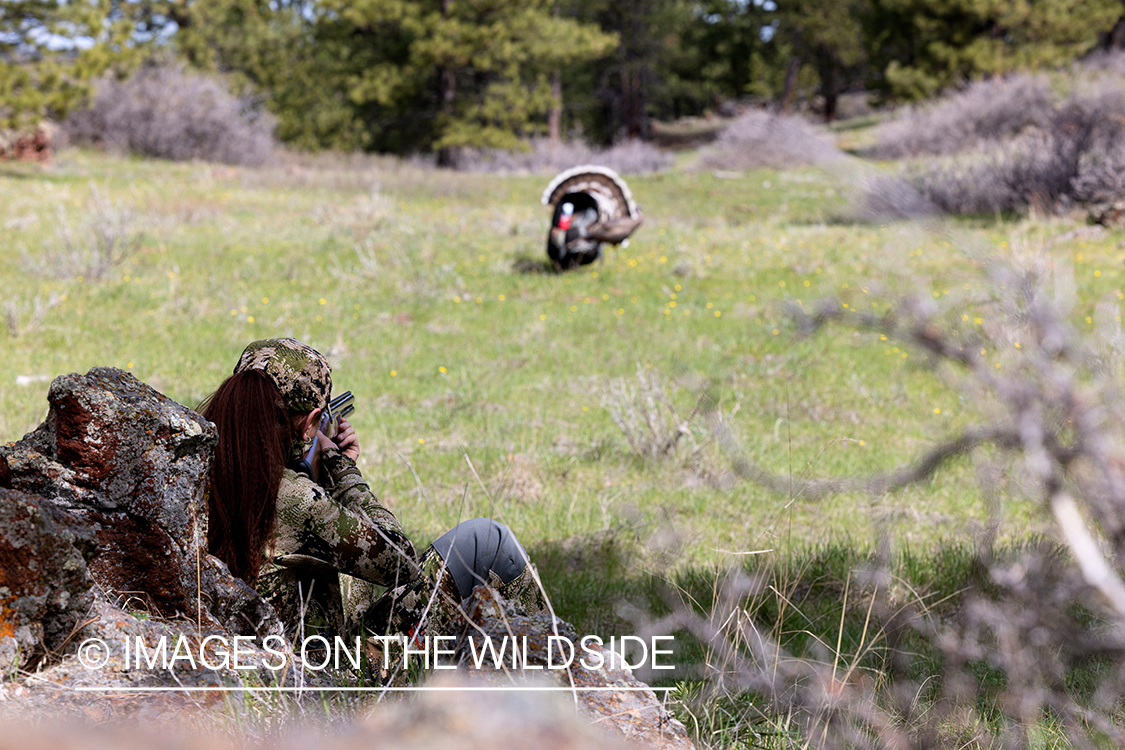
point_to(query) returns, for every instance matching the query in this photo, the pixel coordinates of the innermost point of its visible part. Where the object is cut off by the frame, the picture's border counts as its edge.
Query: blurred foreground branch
(1037, 640)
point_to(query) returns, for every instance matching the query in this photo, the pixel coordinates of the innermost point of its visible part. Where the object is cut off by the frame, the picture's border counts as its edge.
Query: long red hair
(256, 432)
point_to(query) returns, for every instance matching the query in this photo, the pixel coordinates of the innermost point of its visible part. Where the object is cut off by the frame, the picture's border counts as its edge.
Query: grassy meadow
(485, 386)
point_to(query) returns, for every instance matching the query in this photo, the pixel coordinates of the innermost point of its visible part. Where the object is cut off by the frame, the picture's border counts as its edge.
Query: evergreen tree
(918, 47)
(50, 50)
(735, 50)
(274, 53)
(443, 74)
(637, 81)
(825, 38)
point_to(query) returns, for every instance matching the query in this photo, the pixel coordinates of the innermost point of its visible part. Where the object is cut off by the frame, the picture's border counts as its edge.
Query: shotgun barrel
(339, 408)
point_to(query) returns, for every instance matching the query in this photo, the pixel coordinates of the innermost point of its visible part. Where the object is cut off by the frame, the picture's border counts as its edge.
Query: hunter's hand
(347, 440)
(323, 443)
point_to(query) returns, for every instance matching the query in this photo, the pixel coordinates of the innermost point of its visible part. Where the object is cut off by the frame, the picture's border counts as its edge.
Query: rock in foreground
(632, 712)
(44, 584)
(116, 456)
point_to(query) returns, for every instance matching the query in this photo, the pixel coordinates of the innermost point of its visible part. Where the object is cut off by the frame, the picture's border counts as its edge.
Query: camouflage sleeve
(351, 490)
(346, 526)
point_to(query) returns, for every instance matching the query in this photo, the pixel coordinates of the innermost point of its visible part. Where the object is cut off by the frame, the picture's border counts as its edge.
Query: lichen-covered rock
(96, 684)
(114, 443)
(233, 604)
(28, 146)
(119, 457)
(44, 583)
(634, 712)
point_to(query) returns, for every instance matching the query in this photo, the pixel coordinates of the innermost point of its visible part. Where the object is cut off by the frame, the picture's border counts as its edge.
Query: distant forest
(410, 76)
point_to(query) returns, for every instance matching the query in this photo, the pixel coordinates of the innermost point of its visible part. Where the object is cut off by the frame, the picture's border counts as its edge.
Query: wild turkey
(592, 205)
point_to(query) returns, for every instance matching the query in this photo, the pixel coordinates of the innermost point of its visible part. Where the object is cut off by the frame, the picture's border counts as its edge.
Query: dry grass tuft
(646, 414)
(521, 480)
(104, 237)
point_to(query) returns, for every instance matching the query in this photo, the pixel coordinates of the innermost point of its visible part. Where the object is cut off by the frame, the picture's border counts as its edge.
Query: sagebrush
(1013, 144)
(1030, 642)
(983, 112)
(763, 139)
(1065, 158)
(169, 113)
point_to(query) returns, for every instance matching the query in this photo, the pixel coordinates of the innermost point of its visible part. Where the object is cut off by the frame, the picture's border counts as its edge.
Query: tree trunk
(446, 156)
(634, 115)
(554, 117)
(447, 78)
(628, 120)
(1114, 38)
(828, 87)
(636, 62)
(790, 84)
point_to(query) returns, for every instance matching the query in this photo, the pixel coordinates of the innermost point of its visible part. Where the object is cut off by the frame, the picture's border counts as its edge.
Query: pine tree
(624, 91)
(826, 38)
(918, 47)
(50, 51)
(735, 51)
(444, 74)
(273, 53)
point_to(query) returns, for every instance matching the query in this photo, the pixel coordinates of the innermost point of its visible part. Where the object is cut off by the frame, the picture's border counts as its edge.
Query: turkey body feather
(600, 209)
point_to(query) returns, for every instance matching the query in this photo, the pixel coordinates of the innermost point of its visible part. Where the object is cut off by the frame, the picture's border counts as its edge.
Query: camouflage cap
(300, 373)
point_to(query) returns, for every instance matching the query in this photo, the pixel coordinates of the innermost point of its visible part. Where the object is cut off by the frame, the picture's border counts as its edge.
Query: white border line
(405, 689)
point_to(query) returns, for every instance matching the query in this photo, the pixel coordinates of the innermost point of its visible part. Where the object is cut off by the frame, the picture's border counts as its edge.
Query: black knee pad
(473, 548)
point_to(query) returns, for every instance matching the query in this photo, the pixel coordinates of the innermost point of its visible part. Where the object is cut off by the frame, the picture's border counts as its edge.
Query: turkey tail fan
(614, 200)
(591, 206)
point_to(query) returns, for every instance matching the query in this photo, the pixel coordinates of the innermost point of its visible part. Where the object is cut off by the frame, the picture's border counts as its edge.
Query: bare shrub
(891, 197)
(1010, 144)
(1041, 168)
(1100, 184)
(1037, 639)
(988, 180)
(545, 157)
(632, 157)
(646, 415)
(1101, 176)
(168, 113)
(977, 672)
(1110, 62)
(24, 316)
(90, 248)
(982, 112)
(762, 139)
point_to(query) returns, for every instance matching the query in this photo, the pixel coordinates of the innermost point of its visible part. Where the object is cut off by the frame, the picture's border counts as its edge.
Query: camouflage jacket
(338, 527)
(323, 530)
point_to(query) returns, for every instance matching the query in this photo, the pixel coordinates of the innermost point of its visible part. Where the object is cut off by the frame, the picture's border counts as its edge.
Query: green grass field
(409, 281)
